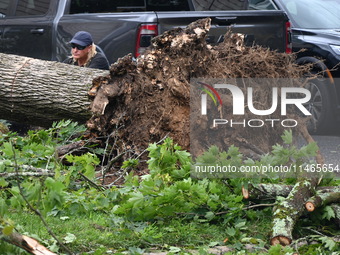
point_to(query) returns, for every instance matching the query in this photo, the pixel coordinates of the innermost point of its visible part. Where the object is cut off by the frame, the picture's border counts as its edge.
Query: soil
(146, 99)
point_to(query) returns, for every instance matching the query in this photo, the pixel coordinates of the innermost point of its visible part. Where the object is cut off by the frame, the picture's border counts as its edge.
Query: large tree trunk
(38, 92)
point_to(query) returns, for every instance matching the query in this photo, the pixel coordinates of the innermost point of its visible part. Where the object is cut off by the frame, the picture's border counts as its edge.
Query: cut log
(321, 199)
(39, 92)
(27, 243)
(289, 210)
(264, 191)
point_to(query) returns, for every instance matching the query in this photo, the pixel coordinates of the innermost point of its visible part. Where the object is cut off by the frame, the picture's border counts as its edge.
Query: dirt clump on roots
(144, 100)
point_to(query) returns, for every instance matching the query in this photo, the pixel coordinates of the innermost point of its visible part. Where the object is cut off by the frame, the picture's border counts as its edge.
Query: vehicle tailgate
(265, 28)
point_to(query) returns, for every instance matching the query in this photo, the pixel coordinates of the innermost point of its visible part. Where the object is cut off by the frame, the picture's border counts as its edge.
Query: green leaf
(130, 163)
(287, 137)
(328, 242)
(3, 183)
(3, 207)
(183, 156)
(7, 230)
(231, 231)
(174, 249)
(209, 215)
(212, 244)
(328, 213)
(136, 199)
(135, 251)
(69, 238)
(8, 149)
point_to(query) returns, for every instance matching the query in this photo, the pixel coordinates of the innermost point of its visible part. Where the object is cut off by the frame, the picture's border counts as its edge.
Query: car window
(95, 6)
(317, 14)
(4, 6)
(218, 5)
(32, 7)
(261, 5)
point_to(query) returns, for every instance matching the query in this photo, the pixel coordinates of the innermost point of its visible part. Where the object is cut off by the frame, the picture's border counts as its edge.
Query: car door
(5, 9)
(28, 32)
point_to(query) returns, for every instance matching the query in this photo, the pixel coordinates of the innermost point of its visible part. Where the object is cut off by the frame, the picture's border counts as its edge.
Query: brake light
(145, 33)
(289, 48)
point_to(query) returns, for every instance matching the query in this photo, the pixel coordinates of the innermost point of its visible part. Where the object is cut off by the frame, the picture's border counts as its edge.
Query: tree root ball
(147, 99)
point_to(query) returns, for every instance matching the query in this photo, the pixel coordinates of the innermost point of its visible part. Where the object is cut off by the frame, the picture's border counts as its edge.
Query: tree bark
(321, 199)
(289, 211)
(267, 191)
(298, 198)
(39, 92)
(27, 243)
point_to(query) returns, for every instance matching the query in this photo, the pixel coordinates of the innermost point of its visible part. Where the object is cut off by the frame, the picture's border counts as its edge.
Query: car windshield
(323, 14)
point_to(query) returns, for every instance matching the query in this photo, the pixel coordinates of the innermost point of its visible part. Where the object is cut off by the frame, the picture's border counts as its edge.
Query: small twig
(139, 155)
(315, 231)
(258, 205)
(120, 177)
(101, 188)
(114, 160)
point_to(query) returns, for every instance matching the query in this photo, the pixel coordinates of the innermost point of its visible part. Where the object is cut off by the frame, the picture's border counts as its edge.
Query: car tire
(319, 106)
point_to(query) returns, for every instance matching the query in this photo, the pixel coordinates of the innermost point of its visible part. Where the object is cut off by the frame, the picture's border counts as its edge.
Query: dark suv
(316, 29)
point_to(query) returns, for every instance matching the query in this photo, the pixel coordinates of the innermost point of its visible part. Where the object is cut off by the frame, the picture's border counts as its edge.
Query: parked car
(43, 28)
(315, 28)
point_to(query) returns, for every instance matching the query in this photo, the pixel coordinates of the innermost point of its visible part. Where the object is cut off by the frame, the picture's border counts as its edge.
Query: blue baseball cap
(82, 38)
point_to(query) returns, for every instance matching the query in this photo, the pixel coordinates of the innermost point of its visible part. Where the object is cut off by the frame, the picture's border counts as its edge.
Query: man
(84, 52)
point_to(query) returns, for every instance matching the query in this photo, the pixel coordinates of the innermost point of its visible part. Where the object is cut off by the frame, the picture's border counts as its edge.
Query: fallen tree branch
(27, 171)
(309, 240)
(321, 199)
(265, 191)
(93, 184)
(258, 205)
(24, 167)
(36, 211)
(71, 148)
(27, 243)
(289, 210)
(36, 174)
(268, 191)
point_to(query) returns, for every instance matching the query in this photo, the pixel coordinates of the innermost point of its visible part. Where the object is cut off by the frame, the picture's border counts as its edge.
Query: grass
(101, 233)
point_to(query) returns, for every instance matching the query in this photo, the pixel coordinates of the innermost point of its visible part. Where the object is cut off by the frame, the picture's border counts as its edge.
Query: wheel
(319, 106)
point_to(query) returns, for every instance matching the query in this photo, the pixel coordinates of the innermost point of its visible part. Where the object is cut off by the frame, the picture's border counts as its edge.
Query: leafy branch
(36, 211)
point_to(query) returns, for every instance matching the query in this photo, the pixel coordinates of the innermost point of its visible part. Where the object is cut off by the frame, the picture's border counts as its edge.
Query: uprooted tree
(142, 101)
